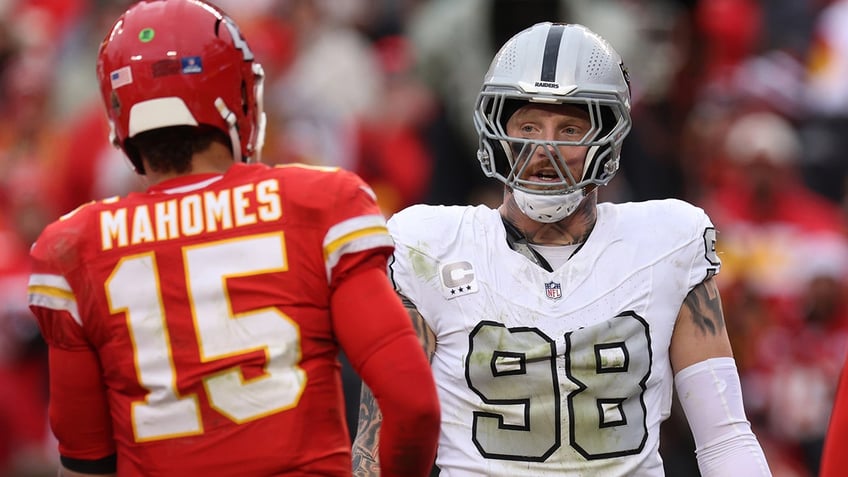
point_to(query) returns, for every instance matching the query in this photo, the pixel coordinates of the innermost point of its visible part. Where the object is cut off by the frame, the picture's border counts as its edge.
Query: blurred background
(739, 106)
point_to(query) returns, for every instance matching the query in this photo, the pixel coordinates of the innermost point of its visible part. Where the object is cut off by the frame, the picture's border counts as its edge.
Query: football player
(194, 329)
(557, 327)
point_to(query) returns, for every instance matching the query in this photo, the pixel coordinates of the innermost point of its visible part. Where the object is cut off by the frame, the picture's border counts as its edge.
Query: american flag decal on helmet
(121, 77)
(553, 290)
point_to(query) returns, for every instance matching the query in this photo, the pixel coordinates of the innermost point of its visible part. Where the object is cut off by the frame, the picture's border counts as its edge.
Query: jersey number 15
(134, 288)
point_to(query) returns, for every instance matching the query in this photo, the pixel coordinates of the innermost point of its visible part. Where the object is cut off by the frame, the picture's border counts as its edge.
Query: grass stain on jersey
(423, 266)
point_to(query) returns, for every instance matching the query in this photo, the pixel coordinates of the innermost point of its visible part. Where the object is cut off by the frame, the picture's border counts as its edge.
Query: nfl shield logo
(553, 290)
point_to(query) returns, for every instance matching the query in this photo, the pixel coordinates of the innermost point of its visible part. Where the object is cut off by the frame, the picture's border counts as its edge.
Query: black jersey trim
(516, 241)
(106, 465)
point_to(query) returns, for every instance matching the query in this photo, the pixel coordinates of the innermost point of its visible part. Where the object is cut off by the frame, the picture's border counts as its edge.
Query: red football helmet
(181, 62)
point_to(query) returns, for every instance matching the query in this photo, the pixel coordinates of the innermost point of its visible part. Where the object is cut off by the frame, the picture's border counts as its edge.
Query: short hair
(170, 149)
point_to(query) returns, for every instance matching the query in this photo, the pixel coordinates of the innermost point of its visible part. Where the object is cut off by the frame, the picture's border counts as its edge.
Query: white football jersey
(552, 373)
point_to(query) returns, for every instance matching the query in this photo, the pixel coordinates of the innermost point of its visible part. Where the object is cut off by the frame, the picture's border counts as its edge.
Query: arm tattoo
(704, 305)
(366, 445)
(425, 336)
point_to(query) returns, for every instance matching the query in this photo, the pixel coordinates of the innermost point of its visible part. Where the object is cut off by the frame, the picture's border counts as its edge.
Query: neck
(216, 159)
(571, 230)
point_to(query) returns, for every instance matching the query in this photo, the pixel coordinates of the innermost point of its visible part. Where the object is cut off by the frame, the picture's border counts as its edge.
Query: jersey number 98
(514, 372)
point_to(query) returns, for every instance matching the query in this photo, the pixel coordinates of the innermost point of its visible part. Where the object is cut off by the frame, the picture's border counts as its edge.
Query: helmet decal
(191, 65)
(146, 35)
(551, 55)
(165, 67)
(120, 77)
(238, 39)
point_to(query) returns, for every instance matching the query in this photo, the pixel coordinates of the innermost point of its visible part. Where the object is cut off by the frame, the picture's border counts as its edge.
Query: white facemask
(548, 208)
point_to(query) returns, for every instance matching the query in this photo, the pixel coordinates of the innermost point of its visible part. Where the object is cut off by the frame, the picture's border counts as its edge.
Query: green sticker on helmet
(146, 35)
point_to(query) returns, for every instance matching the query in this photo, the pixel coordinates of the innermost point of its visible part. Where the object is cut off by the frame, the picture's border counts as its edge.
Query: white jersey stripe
(53, 292)
(354, 235)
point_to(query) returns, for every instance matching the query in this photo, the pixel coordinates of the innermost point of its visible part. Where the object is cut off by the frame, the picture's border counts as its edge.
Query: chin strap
(230, 119)
(518, 242)
(261, 117)
(548, 208)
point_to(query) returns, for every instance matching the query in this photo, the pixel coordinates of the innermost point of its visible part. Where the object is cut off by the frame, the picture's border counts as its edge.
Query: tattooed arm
(709, 390)
(700, 333)
(366, 445)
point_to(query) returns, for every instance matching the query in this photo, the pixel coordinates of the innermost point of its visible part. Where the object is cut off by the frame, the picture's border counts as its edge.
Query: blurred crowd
(739, 106)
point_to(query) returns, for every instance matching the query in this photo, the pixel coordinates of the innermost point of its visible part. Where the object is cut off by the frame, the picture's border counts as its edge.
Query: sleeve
(398, 267)
(402, 225)
(377, 337)
(422, 235)
(356, 230)
(78, 408)
(834, 458)
(711, 397)
(54, 305)
(705, 260)
(375, 332)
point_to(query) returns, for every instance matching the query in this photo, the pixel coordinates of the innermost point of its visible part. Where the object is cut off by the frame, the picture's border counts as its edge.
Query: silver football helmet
(553, 63)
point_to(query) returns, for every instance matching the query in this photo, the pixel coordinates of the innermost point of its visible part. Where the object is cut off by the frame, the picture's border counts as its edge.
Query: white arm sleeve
(711, 396)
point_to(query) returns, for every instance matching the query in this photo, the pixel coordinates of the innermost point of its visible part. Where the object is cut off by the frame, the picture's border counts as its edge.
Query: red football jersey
(206, 302)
